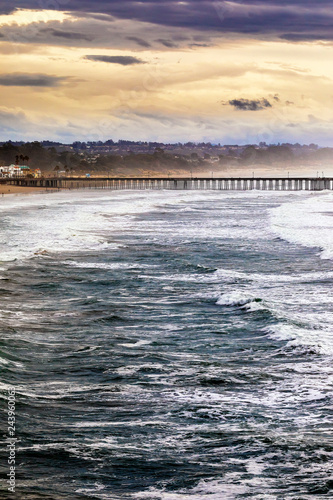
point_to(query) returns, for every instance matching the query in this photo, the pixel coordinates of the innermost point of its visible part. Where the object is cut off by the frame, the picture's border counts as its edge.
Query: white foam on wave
(129, 371)
(56, 390)
(308, 222)
(10, 362)
(92, 490)
(230, 275)
(139, 343)
(241, 299)
(296, 322)
(77, 220)
(70, 447)
(122, 423)
(67, 221)
(102, 265)
(316, 341)
(80, 220)
(303, 317)
(227, 488)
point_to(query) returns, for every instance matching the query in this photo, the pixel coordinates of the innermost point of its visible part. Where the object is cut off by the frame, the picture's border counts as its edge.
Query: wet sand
(7, 189)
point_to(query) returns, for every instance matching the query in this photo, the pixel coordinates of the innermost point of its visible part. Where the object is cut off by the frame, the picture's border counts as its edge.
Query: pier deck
(182, 183)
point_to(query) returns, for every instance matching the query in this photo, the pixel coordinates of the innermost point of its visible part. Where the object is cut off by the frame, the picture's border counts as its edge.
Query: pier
(181, 183)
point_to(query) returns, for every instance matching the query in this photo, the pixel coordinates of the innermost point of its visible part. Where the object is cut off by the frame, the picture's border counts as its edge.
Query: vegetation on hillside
(78, 162)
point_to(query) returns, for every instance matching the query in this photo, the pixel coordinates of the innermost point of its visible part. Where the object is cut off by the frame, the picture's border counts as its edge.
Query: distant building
(4, 171)
(14, 171)
(37, 173)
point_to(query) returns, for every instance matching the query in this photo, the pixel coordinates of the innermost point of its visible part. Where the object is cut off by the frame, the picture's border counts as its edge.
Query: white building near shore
(14, 171)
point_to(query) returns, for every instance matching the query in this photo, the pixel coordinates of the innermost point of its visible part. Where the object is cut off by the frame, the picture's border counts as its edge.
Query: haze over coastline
(154, 159)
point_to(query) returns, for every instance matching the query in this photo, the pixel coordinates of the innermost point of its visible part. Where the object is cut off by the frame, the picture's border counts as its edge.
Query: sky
(237, 72)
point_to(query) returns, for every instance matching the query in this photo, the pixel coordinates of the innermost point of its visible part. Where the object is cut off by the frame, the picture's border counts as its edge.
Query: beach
(6, 189)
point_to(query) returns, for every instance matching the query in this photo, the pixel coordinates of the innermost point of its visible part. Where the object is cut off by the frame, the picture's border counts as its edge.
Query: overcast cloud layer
(291, 20)
(230, 72)
(30, 80)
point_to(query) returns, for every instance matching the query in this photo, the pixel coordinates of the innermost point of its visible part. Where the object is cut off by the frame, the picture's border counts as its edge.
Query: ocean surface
(168, 345)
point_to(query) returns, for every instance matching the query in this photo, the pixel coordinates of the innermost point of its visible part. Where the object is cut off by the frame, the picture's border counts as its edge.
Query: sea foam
(308, 222)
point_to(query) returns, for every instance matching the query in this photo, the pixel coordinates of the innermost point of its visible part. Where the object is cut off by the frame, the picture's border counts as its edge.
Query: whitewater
(168, 345)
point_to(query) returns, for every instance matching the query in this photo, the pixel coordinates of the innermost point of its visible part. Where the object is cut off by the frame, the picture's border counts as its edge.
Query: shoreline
(15, 190)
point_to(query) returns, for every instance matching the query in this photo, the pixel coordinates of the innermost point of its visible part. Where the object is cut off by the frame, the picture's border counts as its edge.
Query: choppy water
(169, 345)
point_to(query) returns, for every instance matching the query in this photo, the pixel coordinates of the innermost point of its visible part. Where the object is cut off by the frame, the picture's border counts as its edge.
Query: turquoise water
(168, 345)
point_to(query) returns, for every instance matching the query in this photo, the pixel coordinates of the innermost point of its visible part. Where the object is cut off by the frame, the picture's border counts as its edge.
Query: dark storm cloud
(306, 37)
(30, 80)
(139, 41)
(68, 35)
(289, 19)
(123, 60)
(167, 43)
(250, 105)
(199, 45)
(90, 15)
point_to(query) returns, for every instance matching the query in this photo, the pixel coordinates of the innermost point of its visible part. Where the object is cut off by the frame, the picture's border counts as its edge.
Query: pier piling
(182, 183)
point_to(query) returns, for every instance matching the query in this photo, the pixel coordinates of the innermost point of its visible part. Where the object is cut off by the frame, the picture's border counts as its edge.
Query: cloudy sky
(196, 70)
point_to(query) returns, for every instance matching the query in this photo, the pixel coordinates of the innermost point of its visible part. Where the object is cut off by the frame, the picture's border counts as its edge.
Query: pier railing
(183, 183)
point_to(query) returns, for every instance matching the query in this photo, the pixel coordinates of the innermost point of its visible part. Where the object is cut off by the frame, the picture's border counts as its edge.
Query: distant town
(14, 171)
(48, 158)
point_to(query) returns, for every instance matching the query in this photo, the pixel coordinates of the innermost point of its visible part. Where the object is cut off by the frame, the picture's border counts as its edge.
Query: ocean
(167, 345)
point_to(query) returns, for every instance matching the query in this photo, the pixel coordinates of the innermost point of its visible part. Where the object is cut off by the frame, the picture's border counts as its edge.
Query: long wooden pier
(182, 183)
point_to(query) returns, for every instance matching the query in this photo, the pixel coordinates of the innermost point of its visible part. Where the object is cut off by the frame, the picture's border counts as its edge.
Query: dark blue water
(168, 345)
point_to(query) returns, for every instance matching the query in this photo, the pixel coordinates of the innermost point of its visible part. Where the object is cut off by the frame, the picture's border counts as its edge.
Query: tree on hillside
(249, 155)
